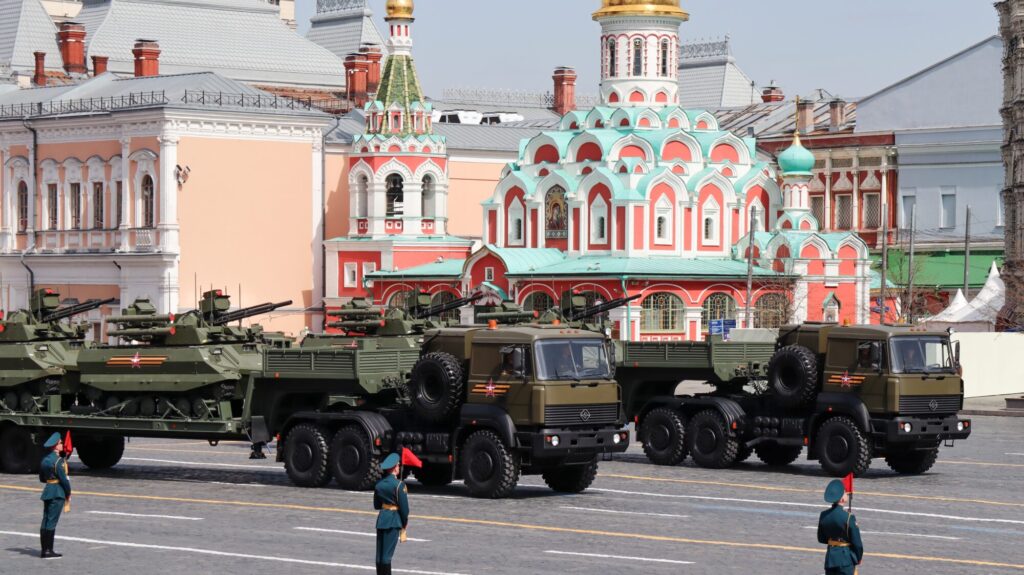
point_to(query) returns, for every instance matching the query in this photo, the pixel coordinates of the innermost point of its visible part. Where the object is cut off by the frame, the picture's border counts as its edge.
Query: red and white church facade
(636, 196)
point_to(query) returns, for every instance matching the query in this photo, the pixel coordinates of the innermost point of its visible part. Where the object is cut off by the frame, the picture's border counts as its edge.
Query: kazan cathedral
(637, 196)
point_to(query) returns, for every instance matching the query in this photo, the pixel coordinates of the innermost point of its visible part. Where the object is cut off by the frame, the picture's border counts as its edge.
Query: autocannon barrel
(443, 307)
(76, 309)
(354, 313)
(600, 308)
(355, 325)
(155, 318)
(245, 312)
(136, 332)
(507, 316)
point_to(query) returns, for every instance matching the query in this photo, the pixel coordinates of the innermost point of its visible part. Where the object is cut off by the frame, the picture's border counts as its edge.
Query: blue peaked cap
(834, 492)
(390, 462)
(54, 440)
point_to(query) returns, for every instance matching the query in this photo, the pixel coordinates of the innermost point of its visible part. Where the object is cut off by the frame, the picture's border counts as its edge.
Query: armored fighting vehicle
(38, 349)
(186, 366)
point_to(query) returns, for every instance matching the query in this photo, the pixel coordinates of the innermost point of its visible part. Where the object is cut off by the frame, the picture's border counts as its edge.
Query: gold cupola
(664, 8)
(399, 9)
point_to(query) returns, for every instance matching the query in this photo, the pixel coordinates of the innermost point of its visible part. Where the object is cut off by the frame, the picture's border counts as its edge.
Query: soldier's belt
(389, 507)
(52, 481)
(837, 543)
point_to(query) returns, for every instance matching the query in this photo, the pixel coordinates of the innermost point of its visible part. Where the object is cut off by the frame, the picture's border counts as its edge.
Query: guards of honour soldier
(53, 471)
(838, 529)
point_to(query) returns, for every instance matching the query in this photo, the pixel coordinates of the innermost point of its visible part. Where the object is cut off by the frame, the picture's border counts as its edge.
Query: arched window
(538, 301)
(516, 234)
(97, 205)
(589, 299)
(613, 60)
(771, 311)
(663, 312)
(148, 205)
(710, 222)
(599, 221)
(830, 311)
(556, 213)
(717, 306)
(52, 206)
(362, 196)
(664, 58)
(75, 191)
(452, 315)
(638, 57)
(402, 300)
(663, 221)
(395, 196)
(22, 206)
(427, 196)
(756, 218)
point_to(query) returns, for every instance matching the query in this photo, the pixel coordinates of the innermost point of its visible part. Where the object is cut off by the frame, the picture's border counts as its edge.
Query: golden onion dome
(399, 9)
(669, 8)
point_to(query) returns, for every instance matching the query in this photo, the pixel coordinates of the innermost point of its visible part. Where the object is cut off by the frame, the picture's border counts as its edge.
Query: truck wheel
(20, 452)
(305, 456)
(434, 475)
(436, 386)
(663, 435)
(842, 447)
(774, 455)
(351, 459)
(912, 462)
(708, 441)
(793, 375)
(571, 478)
(490, 469)
(100, 452)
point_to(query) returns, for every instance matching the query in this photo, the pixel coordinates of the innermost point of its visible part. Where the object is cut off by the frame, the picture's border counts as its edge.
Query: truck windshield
(573, 359)
(921, 355)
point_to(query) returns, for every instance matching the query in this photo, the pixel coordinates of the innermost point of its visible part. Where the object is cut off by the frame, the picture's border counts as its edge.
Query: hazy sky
(851, 48)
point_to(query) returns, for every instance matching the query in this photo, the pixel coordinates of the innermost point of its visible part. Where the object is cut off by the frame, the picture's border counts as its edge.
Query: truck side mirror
(876, 356)
(956, 353)
(512, 361)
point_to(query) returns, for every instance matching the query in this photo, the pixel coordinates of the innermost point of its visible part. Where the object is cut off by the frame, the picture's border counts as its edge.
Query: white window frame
(904, 212)
(516, 213)
(663, 209)
(756, 215)
(351, 277)
(946, 192)
(864, 210)
(818, 216)
(711, 209)
(838, 218)
(598, 211)
(369, 268)
(488, 274)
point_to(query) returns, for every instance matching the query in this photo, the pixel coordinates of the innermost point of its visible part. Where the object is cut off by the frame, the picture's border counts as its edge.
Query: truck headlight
(907, 428)
(616, 439)
(959, 426)
(555, 441)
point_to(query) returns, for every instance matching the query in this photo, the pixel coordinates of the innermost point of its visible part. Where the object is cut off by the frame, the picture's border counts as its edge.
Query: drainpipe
(629, 323)
(31, 275)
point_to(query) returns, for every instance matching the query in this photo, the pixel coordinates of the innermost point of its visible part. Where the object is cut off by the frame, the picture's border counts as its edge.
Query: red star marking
(136, 361)
(846, 379)
(490, 388)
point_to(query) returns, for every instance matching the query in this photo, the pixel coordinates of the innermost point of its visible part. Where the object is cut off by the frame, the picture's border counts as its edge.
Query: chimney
(39, 78)
(565, 90)
(836, 114)
(147, 58)
(804, 116)
(71, 40)
(373, 56)
(357, 71)
(772, 94)
(99, 65)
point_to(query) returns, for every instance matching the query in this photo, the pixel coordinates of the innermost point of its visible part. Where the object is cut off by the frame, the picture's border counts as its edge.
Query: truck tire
(708, 441)
(351, 459)
(743, 453)
(912, 462)
(793, 375)
(842, 447)
(100, 452)
(663, 436)
(436, 386)
(571, 478)
(20, 451)
(774, 455)
(489, 467)
(434, 475)
(305, 456)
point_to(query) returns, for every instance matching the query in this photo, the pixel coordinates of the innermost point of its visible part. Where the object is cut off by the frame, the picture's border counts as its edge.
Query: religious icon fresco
(556, 212)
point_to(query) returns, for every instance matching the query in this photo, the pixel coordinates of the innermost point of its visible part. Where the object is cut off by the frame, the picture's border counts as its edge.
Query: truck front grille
(583, 414)
(929, 404)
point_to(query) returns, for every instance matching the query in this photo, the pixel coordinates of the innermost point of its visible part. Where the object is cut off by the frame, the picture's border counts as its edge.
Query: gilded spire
(669, 8)
(399, 9)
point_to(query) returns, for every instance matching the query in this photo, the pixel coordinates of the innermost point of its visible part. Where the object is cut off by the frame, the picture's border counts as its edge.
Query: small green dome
(796, 160)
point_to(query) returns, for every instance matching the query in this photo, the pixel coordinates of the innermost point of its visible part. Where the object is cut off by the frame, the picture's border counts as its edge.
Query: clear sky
(850, 48)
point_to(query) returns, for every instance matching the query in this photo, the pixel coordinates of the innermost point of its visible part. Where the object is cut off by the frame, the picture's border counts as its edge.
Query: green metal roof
(526, 260)
(655, 266)
(445, 269)
(400, 85)
(942, 269)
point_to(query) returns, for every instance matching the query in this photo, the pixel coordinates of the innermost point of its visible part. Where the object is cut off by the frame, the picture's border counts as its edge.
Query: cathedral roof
(25, 27)
(344, 26)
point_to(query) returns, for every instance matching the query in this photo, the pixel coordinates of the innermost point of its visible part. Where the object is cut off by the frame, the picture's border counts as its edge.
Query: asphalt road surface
(186, 507)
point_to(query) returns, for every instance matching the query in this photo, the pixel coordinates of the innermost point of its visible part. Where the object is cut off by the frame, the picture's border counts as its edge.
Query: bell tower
(640, 52)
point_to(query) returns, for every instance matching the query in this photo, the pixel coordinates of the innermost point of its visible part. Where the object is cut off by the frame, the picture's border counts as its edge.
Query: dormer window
(599, 221)
(710, 225)
(663, 222)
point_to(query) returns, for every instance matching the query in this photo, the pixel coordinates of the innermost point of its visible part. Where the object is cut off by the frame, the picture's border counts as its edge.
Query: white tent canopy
(978, 315)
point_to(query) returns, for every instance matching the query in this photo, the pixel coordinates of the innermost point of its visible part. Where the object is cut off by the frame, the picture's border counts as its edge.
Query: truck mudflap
(904, 429)
(562, 442)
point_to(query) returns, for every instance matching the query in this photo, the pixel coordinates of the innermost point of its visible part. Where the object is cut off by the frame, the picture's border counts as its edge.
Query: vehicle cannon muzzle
(141, 332)
(357, 326)
(507, 317)
(76, 309)
(143, 318)
(443, 307)
(356, 313)
(246, 312)
(600, 308)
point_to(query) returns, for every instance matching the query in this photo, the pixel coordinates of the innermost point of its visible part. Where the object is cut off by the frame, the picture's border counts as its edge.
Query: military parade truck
(847, 393)
(481, 404)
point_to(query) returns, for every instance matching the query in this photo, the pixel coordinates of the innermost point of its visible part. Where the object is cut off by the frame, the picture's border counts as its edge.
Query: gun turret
(245, 312)
(76, 309)
(580, 314)
(443, 307)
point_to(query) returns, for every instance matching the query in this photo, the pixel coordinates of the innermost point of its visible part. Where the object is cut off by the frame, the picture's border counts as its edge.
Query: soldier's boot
(42, 543)
(49, 540)
(387, 569)
(380, 569)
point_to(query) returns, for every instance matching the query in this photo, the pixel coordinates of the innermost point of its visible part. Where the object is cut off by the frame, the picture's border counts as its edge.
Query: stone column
(126, 186)
(168, 221)
(5, 192)
(30, 235)
(826, 225)
(856, 219)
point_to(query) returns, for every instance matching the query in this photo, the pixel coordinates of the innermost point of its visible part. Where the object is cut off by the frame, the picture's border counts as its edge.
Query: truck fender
(376, 426)
(493, 417)
(731, 411)
(837, 403)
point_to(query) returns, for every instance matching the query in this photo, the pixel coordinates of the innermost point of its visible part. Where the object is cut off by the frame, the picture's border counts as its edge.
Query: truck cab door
(497, 376)
(852, 366)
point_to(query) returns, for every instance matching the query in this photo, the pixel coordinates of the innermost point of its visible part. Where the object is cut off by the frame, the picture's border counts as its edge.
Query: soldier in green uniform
(53, 472)
(838, 529)
(392, 499)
